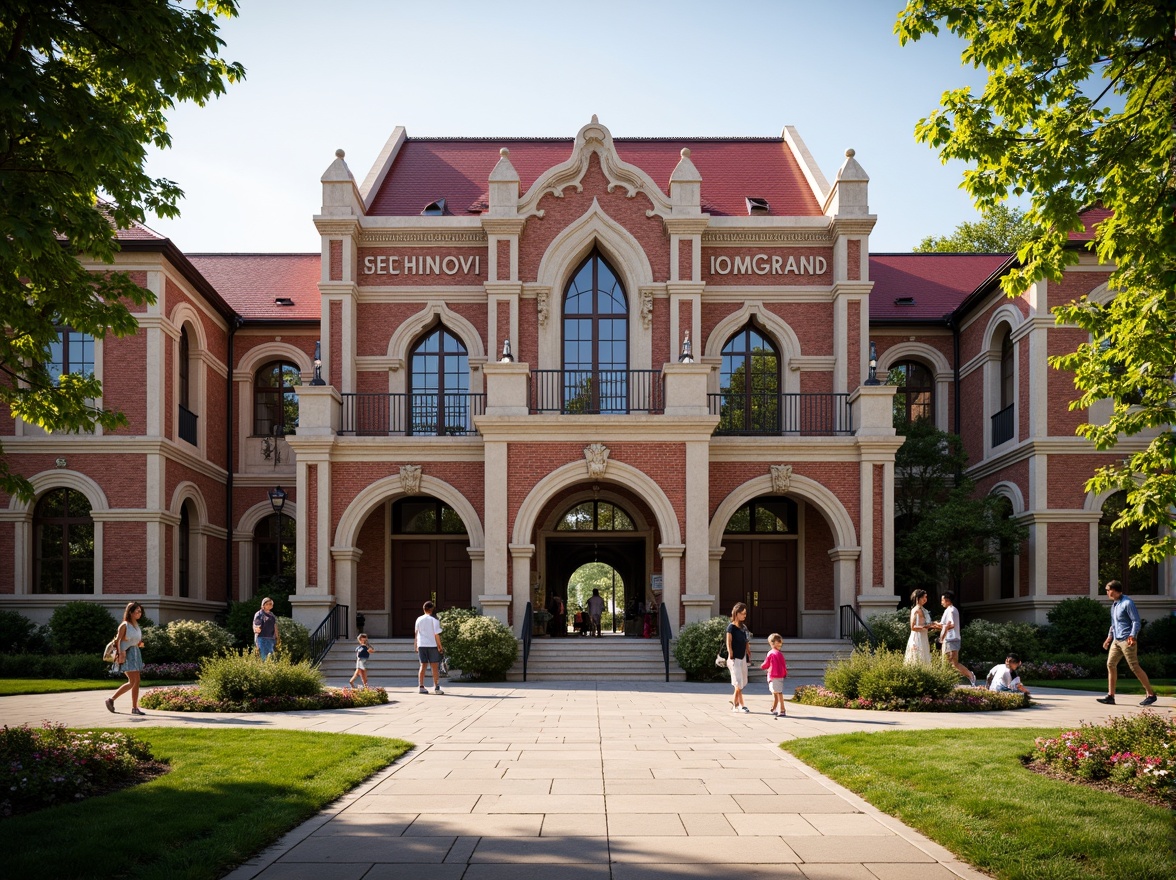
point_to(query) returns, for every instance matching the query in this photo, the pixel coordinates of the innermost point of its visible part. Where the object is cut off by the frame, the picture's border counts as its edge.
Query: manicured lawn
(967, 790)
(1165, 687)
(12, 686)
(230, 794)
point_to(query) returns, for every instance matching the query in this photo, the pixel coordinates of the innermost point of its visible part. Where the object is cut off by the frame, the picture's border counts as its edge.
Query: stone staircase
(574, 658)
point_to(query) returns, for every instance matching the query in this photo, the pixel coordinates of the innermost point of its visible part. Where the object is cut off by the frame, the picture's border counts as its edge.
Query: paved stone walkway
(592, 780)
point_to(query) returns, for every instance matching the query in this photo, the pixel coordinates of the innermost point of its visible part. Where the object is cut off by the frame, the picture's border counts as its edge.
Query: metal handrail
(528, 622)
(419, 413)
(851, 623)
(597, 392)
(663, 631)
(333, 628)
(774, 413)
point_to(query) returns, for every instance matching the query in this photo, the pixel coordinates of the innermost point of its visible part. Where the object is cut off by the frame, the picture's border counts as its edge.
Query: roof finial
(595, 119)
(339, 154)
(685, 153)
(850, 153)
(504, 153)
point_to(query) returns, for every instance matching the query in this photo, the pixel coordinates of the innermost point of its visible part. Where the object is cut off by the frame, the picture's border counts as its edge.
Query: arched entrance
(759, 565)
(430, 560)
(595, 530)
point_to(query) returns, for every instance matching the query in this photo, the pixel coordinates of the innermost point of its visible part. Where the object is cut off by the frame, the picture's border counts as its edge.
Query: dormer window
(757, 205)
(434, 209)
(283, 301)
(904, 300)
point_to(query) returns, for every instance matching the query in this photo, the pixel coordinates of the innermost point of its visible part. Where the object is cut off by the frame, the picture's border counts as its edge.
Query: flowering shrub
(50, 765)
(883, 675)
(1139, 751)
(959, 700)
(1050, 671)
(242, 676)
(190, 699)
(696, 647)
(171, 671)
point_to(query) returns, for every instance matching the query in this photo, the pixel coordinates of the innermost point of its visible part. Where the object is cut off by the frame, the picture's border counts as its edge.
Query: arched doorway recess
(430, 560)
(759, 565)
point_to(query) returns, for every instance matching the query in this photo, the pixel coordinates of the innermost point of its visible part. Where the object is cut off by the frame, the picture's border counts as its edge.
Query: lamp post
(318, 372)
(873, 377)
(277, 499)
(686, 357)
(507, 357)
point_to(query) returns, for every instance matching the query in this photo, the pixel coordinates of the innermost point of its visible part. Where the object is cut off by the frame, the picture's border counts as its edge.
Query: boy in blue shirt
(362, 652)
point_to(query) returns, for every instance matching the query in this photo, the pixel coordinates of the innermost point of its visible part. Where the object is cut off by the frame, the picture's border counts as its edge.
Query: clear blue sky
(345, 73)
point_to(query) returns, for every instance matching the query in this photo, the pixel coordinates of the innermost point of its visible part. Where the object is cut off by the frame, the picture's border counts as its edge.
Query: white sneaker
(735, 709)
(745, 709)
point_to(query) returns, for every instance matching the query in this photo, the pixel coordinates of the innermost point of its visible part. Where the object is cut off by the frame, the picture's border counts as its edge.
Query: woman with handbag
(738, 654)
(130, 659)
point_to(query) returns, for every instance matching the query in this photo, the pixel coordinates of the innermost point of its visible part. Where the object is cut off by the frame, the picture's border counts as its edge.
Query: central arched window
(1008, 388)
(275, 402)
(595, 340)
(439, 383)
(915, 398)
(275, 550)
(749, 383)
(595, 516)
(64, 537)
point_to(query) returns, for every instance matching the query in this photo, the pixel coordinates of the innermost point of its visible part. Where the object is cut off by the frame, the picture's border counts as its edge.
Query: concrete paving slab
(555, 780)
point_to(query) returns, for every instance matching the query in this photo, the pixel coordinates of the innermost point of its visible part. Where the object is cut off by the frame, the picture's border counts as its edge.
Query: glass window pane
(740, 521)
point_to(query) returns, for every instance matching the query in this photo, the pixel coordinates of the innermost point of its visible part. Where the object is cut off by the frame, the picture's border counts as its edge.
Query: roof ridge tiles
(628, 139)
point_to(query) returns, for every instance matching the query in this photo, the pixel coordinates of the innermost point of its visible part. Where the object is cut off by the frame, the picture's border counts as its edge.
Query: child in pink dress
(777, 672)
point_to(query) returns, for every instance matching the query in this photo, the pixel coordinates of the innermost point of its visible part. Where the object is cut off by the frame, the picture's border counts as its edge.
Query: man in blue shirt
(1122, 640)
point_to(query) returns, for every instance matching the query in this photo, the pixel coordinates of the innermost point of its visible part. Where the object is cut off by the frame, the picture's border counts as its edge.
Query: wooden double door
(436, 569)
(762, 573)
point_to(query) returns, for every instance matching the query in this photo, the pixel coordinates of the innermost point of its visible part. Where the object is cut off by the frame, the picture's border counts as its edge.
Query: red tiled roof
(250, 283)
(458, 170)
(1090, 218)
(937, 283)
(139, 232)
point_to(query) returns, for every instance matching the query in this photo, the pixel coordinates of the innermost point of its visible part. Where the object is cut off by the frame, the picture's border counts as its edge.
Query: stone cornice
(114, 444)
(854, 225)
(1053, 446)
(503, 288)
(130, 514)
(503, 225)
(336, 225)
(687, 288)
(791, 449)
(687, 225)
(402, 449)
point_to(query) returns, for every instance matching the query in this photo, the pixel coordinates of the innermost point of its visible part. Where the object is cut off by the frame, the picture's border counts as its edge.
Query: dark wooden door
(424, 570)
(761, 573)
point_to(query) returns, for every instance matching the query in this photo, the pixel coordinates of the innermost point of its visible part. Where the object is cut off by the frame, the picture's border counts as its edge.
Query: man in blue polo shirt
(1122, 640)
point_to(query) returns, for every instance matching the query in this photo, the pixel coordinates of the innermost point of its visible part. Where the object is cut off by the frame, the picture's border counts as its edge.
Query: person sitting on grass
(1003, 678)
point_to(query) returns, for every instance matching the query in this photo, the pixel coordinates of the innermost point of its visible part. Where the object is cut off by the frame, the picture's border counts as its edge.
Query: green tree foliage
(1076, 113)
(81, 627)
(1000, 230)
(945, 531)
(1079, 624)
(86, 89)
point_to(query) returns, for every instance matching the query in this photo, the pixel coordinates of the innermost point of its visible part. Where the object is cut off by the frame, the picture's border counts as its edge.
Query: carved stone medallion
(781, 478)
(410, 479)
(597, 457)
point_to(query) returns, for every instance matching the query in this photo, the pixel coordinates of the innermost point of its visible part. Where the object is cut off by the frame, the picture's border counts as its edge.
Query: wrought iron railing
(597, 392)
(413, 414)
(528, 623)
(663, 631)
(773, 414)
(1002, 426)
(852, 624)
(187, 425)
(333, 628)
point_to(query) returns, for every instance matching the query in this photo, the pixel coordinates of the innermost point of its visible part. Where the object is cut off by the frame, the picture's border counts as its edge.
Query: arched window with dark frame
(595, 516)
(749, 384)
(1117, 546)
(63, 535)
(186, 423)
(1008, 386)
(595, 340)
(184, 552)
(1008, 557)
(275, 550)
(439, 385)
(275, 402)
(915, 398)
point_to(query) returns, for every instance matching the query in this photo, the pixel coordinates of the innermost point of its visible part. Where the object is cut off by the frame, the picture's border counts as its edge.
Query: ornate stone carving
(432, 237)
(597, 457)
(763, 236)
(781, 478)
(410, 479)
(541, 305)
(646, 308)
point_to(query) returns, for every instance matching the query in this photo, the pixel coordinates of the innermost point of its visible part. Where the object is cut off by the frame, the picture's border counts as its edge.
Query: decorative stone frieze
(646, 308)
(541, 307)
